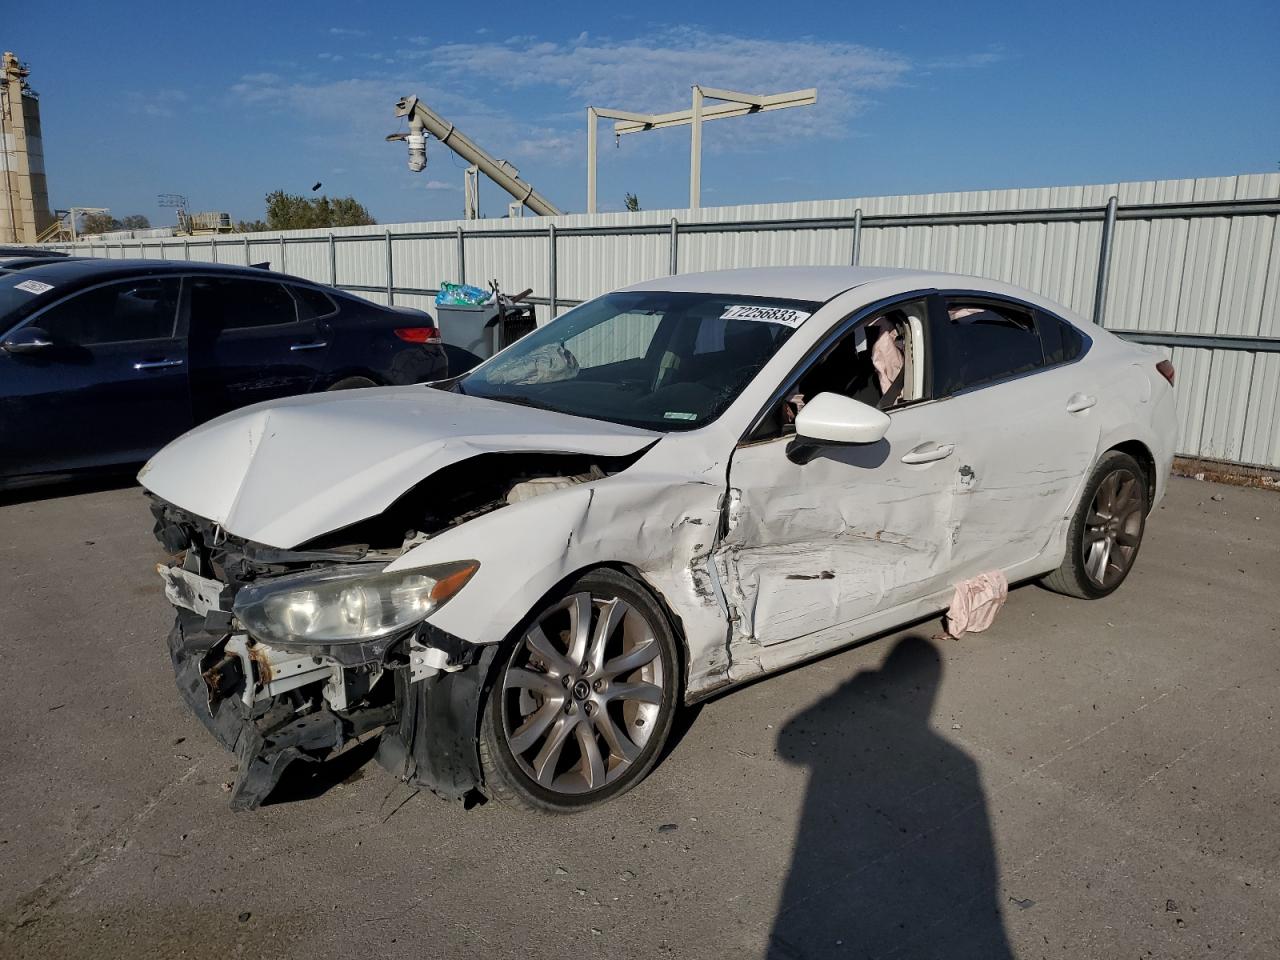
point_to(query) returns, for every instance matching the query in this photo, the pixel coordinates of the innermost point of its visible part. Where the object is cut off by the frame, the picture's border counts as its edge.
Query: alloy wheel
(1113, 528)
(582, 693)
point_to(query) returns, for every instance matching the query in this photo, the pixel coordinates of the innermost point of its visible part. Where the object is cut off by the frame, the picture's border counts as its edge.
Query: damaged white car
(516, 577)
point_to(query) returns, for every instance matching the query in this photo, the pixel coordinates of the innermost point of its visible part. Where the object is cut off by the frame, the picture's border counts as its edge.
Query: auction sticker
(33, 286)
(783, 315)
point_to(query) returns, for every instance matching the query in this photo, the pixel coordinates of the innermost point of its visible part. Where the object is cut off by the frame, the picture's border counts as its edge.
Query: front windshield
(655, 359)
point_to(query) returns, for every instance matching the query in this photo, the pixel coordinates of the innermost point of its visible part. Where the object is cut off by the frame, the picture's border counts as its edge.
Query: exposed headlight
(347, 604)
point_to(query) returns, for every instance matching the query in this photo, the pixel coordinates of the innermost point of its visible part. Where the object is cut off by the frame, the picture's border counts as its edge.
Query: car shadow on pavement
(893, 855)
(69, 487)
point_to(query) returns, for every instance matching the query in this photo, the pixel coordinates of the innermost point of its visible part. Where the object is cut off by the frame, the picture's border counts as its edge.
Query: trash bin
(475, 331)
(468, 334)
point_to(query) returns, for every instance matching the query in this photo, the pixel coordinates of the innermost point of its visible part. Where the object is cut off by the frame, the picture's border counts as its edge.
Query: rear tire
(583, 698)
(353, 383)
(1106, 530)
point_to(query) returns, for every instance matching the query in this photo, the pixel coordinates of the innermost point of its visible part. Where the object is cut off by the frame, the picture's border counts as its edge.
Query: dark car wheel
(1106, 531)
(583, 698)
(353, 383)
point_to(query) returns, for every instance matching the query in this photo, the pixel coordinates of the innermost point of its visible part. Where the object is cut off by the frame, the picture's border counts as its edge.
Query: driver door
(854, 531)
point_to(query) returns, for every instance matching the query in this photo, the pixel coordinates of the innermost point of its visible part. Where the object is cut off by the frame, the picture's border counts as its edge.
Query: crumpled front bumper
(428, 729)
(265, 735)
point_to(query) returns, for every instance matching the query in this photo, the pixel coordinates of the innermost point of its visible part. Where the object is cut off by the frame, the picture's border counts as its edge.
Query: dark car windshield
(661, 360)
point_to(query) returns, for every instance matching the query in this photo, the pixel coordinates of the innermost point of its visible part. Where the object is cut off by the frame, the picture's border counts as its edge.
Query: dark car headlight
(347, 604)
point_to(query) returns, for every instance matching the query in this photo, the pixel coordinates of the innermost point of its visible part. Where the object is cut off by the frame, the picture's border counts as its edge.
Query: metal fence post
(856, 254)
(246, 249)
(673, 269)
(552, 292)
(462, 258)
(333, 261)
(391, 284)
(186, 248)
(213, 248)
(282, 249)
(1104, 262)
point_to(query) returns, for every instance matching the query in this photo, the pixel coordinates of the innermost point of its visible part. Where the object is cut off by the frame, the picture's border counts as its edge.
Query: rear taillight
(418, 334)
(1165, 368)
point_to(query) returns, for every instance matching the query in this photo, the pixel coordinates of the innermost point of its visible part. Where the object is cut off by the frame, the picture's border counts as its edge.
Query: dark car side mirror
(26, 341)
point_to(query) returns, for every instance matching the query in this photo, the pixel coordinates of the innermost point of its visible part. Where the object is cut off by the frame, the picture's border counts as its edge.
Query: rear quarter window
(1062, 342)
(312, 303)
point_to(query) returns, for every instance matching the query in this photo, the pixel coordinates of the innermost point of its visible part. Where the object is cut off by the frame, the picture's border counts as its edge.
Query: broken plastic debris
(976, 603)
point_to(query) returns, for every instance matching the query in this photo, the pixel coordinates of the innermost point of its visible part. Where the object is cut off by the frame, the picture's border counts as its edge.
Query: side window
(114, 313)
(878, 362)
(219, 305)
(976, 342)
(312, 303)
(1062, 342)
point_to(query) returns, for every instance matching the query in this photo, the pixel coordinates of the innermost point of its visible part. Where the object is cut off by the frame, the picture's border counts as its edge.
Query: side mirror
(832, 418)
(27, 340)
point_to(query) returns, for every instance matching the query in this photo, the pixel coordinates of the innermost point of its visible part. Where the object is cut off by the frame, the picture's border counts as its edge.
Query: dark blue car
(102, 362)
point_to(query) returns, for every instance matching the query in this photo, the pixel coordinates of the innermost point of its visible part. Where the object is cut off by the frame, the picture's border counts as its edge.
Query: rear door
(111, 390)
(249, 345)
(1019, 414)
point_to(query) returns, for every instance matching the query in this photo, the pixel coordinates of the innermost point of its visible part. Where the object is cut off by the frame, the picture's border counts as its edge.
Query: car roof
(791, 283)
(20, 250)
(96, 269)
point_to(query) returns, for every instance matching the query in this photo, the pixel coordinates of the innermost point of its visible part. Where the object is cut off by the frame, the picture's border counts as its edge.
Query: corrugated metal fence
(1191, 265)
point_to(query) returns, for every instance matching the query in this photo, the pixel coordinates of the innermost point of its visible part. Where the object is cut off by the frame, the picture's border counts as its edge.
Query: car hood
(284, 472)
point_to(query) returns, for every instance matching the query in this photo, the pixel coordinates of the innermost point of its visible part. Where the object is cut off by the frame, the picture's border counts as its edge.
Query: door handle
(156, 364)
(928, 452)
(317, 345)
(1079, 402)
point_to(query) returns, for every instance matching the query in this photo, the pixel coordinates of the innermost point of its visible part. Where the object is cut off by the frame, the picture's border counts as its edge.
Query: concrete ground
(1083, 780)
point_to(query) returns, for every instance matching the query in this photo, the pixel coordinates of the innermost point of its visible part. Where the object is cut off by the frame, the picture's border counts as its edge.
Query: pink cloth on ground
(976, 603)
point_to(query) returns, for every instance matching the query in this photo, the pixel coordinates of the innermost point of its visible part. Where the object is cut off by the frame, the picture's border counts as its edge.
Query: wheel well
(339, 375)
(1138, 450)
(629, 571)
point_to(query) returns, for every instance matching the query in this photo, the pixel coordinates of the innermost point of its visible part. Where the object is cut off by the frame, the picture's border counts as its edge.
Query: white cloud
(471, 84)
(654, 74)
(441, 185)
(160, 104)
(967, 61)
(347, 32)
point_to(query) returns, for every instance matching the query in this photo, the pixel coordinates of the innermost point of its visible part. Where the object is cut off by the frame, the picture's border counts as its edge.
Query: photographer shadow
(893, 856)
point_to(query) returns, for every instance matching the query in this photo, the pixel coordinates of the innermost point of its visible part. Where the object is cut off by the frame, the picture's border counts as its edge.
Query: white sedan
(517, 577)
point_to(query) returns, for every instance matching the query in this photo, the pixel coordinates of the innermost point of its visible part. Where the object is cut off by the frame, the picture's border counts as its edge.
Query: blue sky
(224, 102)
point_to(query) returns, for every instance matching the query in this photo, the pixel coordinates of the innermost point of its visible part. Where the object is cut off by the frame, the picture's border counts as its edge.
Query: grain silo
(24, 206)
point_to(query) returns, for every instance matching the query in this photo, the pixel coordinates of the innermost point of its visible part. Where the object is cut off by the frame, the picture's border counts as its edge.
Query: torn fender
(658, 524)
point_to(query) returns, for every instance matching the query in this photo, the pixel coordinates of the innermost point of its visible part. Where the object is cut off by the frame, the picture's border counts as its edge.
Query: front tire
(1106, 530)
(583, 697)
